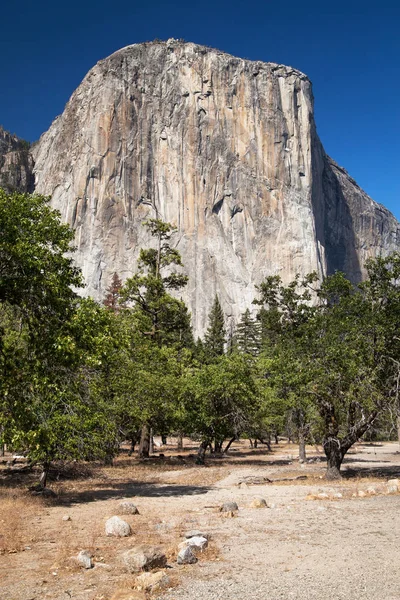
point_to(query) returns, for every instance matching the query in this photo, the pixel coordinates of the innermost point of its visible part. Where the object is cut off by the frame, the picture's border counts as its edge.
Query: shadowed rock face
(224, 148)
(16, 164)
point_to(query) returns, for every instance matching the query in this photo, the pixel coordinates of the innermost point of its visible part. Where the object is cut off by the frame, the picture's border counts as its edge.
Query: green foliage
(248, 334)
(214, 339)
(50, 343)
(221, 399)
(159, 316)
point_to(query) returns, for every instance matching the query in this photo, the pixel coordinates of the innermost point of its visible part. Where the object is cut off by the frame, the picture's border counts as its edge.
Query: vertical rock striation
(16, 164)
(224, 148)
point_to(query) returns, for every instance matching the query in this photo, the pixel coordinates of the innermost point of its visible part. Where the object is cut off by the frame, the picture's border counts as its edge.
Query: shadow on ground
(130, 490)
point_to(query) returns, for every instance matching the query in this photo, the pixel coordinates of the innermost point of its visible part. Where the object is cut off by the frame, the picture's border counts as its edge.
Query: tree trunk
(132, 448)
(164, 439)
(43, 476)
(180, 441)
(218, 446)
(202, 452)
(302, 445)
(144, 447)
(276, 438)
(151, 442)
(398, 428)
(334, 454)
(229, 444)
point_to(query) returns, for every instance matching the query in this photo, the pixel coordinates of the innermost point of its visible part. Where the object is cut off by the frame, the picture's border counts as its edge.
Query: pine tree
(112, 298)
(214, 339)
(248, 334)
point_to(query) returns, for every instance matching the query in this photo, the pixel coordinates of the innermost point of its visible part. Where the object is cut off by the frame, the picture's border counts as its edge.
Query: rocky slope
(16, 163)
(224, 148)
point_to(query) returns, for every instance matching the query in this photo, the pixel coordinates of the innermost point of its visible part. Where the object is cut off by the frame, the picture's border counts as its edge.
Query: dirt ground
(306, 546)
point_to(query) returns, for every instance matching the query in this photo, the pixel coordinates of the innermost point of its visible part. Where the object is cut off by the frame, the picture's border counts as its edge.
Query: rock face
(16, 164)
(224, 148)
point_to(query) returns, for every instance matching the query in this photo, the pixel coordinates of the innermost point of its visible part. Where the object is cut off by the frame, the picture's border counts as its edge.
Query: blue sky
(349, 49)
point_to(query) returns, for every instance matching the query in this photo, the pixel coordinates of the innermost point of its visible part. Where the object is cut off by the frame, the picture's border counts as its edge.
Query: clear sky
(350, 49)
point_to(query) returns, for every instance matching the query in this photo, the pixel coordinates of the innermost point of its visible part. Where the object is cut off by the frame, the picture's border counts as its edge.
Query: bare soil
(303, 546)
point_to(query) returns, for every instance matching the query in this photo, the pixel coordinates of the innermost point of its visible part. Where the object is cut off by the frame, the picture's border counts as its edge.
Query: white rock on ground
(393, 486)
(84, 559)
(117, 527)
(144, 558)
(196, 543)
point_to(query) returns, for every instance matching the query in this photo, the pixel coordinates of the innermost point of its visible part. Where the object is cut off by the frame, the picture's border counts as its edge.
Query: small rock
(323, 496)
(258, 502)
(144, 558)
(361, 494)
(393, 486)
(127, 508)
(152, 581)
(186, 556)
(117, 527)
(338, 495)
(84, 559)
(371, 490)
(229, 507)
(66, 518)
(196, 543)
(196, 533)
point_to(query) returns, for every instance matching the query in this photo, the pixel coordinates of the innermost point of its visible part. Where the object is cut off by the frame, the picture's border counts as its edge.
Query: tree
(333, 351)
(112, 298)
(47, 339)
(214, 339)
(248, 334)
(221, 400)
(158, 317)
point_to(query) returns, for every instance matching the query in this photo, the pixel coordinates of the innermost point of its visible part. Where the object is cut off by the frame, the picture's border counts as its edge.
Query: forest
(317, 361)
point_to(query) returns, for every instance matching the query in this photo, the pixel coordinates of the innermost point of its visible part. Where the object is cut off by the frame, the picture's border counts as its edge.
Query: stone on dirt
(196, 533)
(393, 485)
(66, 518)
(117, 527)
(84, 559)
(127, 508)
(258, 502)
(144, 558)
(229, 507)
(196, 542)
(186, 556)
(152, 582)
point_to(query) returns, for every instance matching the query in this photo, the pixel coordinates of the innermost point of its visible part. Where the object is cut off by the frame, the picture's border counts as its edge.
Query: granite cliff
(224, 148)
(16, 163)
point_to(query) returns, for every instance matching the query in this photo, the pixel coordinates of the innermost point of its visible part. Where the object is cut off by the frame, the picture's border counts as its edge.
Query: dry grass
(16, 512)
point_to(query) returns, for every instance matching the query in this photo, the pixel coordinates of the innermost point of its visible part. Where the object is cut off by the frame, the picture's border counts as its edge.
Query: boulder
(393, 486)
(197, 543)
(186, 556)
(229, 507)
(117, 527)
(196, 533)
(258, 502)
(127, 508)
(144, 558)
(84, 559)
(152, 582)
